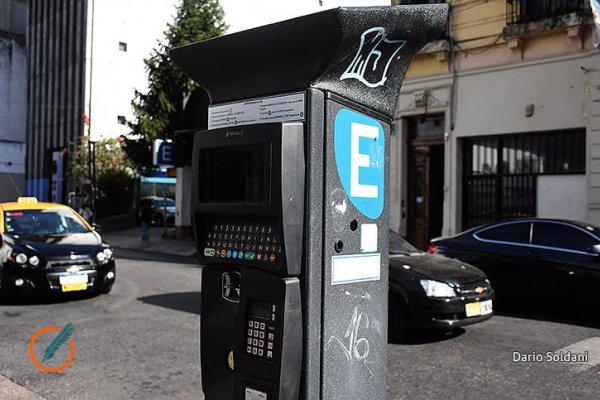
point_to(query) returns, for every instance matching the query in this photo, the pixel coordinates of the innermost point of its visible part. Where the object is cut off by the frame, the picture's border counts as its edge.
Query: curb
(14, 391)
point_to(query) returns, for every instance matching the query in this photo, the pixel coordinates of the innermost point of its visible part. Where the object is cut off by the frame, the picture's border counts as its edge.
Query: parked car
(549, 260)
(49, 248)
(162, 208)
(433, 291)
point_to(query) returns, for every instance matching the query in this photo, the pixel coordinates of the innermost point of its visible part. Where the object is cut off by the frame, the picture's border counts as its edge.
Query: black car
(433, 291)
(49, 248)
(547, 260)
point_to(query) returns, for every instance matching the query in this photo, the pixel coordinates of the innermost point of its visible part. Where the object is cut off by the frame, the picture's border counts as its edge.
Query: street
(141, 341)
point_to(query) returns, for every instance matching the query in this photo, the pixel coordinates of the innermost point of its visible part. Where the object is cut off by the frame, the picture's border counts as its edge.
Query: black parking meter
(290, 200)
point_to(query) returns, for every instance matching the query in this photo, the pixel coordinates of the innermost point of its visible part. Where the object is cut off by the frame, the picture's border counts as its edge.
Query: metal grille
(524, 11)
(500, 173)
(85, 262)
(471, 288)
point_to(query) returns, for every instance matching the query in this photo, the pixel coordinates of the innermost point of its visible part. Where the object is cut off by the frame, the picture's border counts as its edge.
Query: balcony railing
(525, 11)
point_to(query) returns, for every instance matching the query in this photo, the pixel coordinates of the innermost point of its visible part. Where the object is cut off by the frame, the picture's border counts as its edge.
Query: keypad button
(261, 335)
(272, 317)
(269, 354)
(271, 337)
(260, 352)
(255, 334)
(262, 326)
(254, 342)
(269, 230)
(251, 324)
(261, 343)
(249, 341)
(272, 258)
(254, 350)
(248, 349)
(250, 332)
(273, 308)
(270, 345)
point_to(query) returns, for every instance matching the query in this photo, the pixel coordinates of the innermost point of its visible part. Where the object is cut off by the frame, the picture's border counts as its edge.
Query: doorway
(425, 180)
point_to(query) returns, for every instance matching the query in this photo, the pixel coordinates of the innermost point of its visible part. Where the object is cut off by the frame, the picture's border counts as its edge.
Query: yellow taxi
(49, 248)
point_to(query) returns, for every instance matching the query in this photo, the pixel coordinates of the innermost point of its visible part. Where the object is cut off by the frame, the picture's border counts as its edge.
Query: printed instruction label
(355, 268)
(252, 394)
(256, 111)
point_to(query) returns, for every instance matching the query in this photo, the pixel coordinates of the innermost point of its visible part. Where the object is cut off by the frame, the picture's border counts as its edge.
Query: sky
(246, 14)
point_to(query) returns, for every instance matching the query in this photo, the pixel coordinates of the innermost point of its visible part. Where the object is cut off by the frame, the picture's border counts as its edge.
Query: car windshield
(42, 222)
(161, 202)
(400, 246)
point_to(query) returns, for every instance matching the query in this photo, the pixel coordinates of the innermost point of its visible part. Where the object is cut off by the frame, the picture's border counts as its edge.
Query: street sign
(360, 158)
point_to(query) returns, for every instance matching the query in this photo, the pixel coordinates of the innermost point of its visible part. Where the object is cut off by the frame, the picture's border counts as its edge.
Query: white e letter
(358, 160)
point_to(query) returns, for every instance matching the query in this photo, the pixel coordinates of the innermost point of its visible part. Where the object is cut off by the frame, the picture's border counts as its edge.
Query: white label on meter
(253, 394)
(355, 268)
(368, 238)
(266, 109)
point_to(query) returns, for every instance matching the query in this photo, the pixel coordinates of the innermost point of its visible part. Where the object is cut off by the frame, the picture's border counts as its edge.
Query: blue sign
(165, 154)
(359, 143)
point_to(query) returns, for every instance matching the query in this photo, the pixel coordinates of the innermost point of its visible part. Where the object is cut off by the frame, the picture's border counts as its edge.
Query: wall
(114, 73)
(13, 98)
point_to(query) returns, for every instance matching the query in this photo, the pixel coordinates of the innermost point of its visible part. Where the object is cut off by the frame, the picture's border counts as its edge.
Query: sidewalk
(131, 239)
(13, 391)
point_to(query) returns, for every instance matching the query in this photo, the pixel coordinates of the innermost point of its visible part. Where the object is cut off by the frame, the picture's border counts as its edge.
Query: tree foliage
(195, 20)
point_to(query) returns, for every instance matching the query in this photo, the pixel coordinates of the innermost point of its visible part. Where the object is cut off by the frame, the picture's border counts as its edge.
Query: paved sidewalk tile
(132, 239)
(13, 391)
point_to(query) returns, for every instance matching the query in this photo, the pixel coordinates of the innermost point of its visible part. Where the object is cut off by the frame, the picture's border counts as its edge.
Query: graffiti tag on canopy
(373, 58)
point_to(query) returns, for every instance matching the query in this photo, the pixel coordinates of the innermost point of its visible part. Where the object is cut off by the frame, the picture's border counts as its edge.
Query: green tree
(195, 20)
(114, 175)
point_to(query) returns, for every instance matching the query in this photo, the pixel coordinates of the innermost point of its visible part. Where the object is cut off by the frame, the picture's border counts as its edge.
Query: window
(562, 236)
(515, 233)
(121, 120)
(500, 172)
(122, 46)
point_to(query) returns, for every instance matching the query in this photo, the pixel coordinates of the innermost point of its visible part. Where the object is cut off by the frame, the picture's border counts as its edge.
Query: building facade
(13, 97)
(499, 119)
(86, 59)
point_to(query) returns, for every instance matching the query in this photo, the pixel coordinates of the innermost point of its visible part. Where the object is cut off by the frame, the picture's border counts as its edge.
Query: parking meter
(290, 200)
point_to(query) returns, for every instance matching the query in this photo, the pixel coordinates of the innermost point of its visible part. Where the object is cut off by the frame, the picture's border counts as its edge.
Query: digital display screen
(260, 309)
(234, 174)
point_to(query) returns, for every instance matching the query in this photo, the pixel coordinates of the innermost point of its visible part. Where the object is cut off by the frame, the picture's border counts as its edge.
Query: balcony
(534, 17)
(526, 11)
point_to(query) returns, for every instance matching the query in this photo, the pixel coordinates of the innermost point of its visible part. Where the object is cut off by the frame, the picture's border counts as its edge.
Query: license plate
(72, 287)
(73, 279)
(478, 308)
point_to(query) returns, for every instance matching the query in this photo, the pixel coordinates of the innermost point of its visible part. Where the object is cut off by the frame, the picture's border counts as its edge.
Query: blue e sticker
(360, 158)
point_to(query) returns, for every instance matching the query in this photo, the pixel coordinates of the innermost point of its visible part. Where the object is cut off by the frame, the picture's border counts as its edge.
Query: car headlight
(34, 260)
(101, 257)
(21, 258)
(104, 256)
(108, 253)
(437, 289)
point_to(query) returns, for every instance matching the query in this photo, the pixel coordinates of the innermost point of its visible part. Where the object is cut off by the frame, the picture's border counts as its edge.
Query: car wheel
(398, 324)
(104, 288)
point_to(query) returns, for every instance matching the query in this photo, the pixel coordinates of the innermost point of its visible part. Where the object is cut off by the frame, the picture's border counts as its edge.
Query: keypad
(249, 242)
(260, 339)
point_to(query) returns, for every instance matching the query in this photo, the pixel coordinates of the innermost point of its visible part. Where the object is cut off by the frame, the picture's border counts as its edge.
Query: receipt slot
(290, 200)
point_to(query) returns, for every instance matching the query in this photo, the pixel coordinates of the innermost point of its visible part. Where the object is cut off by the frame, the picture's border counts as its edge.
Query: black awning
(361, 54)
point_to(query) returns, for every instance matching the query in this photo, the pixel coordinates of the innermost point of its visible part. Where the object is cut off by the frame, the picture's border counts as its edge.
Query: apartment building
(13, 97)
(86, 60)
(498, 119)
